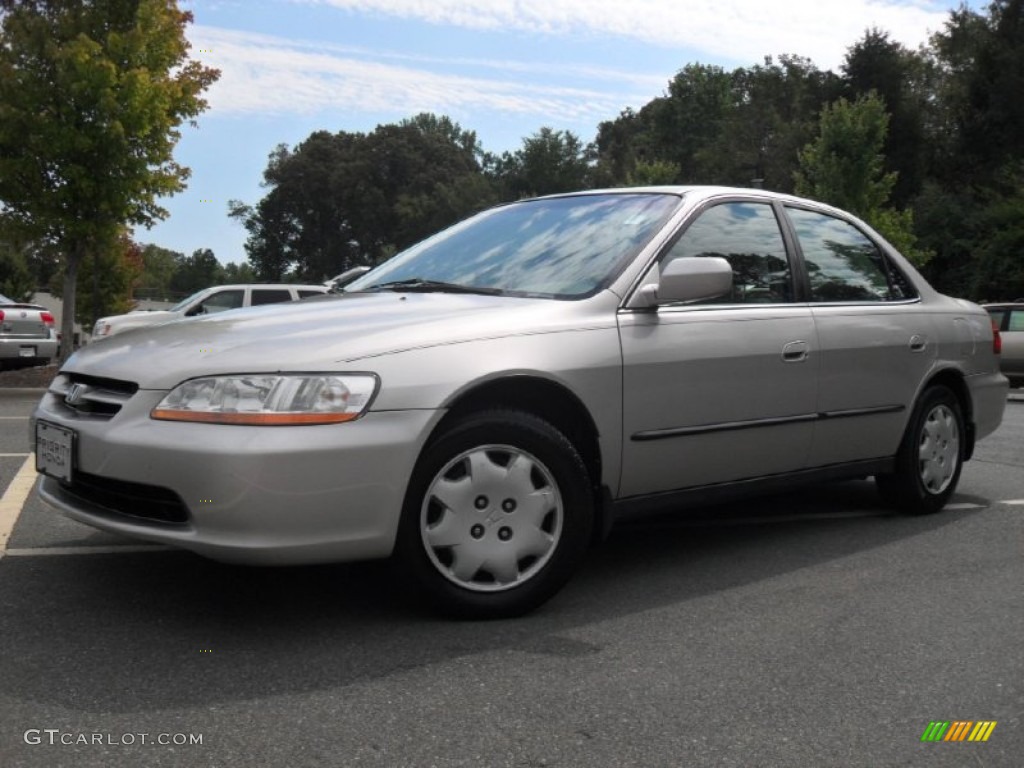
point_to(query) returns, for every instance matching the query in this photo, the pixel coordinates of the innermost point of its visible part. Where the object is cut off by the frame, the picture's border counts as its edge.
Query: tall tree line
(942, 126)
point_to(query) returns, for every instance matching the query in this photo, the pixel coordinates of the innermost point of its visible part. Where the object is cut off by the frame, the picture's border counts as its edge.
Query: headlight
(309, 398)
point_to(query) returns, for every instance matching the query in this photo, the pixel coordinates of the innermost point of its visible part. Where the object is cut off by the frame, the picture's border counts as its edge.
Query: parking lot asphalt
(805, 629)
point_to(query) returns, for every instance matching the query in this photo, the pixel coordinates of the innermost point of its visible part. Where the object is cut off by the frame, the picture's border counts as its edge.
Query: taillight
(997, 341)
(47, 318)
(1, 315)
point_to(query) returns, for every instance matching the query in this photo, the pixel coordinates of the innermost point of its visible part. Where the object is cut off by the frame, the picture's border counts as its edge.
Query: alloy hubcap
(939, 451)
(492, 518)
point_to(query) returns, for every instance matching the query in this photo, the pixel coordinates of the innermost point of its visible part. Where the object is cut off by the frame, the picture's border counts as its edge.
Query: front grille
(92, 396)
(146, 502)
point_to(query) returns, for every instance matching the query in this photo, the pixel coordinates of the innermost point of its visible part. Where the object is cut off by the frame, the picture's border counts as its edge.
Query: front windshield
(185, 302)
(563, 247)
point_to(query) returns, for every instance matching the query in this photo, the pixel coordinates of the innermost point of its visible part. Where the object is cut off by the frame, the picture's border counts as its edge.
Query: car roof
(268, 285)
(703, 192)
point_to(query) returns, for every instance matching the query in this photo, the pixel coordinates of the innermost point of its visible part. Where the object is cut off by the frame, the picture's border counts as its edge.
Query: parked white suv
(206, 302)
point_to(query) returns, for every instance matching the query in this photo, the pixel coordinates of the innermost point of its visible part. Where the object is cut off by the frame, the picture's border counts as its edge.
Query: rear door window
(843, 264)
(270, 296)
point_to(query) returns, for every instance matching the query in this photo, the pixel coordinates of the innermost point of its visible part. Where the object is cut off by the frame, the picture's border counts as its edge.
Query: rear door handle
(918, 343)
(795, 352)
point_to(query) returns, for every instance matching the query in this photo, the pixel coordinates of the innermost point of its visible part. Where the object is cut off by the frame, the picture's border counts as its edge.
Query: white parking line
(14, 418)
(964, 505)
(1014, 502)
(14, 499)
(14, 455)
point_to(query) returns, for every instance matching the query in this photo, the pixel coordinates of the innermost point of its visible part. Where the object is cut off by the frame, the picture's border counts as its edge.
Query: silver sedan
(485, 404)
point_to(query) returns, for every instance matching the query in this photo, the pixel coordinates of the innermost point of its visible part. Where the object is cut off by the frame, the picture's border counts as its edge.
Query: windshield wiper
(427, 286)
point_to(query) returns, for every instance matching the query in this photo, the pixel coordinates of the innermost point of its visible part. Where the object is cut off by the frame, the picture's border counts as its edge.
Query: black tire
(930, 456)
(514, 526)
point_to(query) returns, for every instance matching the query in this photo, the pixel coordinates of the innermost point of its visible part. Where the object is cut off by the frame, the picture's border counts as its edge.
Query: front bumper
(258, 495)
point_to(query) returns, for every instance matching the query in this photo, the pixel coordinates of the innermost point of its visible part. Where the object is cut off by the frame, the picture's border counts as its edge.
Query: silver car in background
(28, 334)
(1008, 319)
(485, 404)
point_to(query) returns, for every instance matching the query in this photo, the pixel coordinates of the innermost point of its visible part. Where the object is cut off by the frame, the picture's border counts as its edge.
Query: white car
(206, 302)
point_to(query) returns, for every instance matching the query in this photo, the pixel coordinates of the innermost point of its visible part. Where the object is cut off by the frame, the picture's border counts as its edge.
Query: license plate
(54, 450)
(27, 351)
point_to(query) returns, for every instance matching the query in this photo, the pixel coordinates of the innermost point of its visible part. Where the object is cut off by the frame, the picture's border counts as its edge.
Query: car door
(725, 389)
(876, 339)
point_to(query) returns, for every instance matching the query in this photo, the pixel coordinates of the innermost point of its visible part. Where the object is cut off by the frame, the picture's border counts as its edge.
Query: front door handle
(795, 352)
(918, 343)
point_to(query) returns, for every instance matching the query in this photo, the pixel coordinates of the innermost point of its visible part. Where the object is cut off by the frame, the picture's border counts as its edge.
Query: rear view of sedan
(485, 404)
(1008, 319)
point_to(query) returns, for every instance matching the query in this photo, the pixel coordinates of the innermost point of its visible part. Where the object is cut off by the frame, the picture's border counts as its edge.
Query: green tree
(238, 273)
(105, 281)
(339, 200)
(91, 98)
(717, 127)
(844, 166)
(653, 173)
(16, 279)
(549, 162)
(904, 81)
(195, 272)
(689, 119)
(982, 59)
(614, 150)
(158, 268)
(773, 112)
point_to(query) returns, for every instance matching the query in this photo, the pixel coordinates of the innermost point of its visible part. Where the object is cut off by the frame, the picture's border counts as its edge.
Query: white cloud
(742, 31)
(273, 75)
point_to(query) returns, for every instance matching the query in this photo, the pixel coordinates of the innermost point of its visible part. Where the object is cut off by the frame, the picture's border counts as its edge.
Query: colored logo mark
(958, 730)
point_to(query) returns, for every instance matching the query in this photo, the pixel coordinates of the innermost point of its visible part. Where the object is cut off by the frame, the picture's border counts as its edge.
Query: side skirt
(635, 506)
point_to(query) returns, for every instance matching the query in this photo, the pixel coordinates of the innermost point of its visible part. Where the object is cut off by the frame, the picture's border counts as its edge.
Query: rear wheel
(930, 457)
(497, 516)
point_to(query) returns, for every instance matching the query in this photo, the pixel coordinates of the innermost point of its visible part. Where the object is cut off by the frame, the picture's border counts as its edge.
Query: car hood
(325, 334)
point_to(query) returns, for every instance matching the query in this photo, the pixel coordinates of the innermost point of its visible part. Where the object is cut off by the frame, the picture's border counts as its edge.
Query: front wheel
(930, 457)
(497, 516)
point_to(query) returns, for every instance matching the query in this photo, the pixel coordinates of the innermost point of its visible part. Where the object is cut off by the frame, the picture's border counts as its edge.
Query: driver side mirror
(688, 278)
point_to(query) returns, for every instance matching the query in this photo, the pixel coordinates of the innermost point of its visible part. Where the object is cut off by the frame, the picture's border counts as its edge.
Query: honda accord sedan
(484, 405)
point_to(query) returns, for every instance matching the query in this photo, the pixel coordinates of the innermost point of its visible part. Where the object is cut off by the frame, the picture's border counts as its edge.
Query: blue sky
(502, 68)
